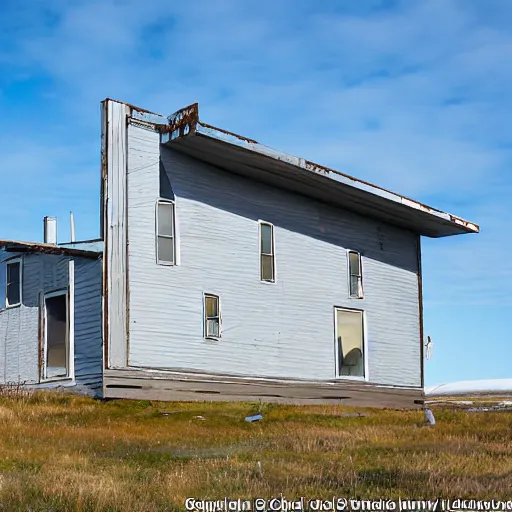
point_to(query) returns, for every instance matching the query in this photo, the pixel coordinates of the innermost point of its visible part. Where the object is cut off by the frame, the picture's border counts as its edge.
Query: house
(226, 270)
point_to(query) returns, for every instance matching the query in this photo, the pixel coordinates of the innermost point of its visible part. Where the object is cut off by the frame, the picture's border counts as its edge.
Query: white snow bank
(466, 387)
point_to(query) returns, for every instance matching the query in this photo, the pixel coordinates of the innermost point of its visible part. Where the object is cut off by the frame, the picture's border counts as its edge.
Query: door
(349, 343)
(56, 336)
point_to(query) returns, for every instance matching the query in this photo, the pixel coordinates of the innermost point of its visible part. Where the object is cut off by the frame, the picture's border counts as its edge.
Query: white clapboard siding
(285, 329)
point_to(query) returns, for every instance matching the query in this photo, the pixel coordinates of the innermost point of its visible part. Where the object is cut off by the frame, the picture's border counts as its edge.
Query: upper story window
(211, 316)
(165, 233)
(355, 275)
(13, 283)
(267, 256)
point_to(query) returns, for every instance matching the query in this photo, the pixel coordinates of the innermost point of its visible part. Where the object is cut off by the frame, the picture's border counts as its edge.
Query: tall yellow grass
(67, 453)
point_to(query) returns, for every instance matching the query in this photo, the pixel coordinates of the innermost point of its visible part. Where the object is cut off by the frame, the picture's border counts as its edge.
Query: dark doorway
(56, 336)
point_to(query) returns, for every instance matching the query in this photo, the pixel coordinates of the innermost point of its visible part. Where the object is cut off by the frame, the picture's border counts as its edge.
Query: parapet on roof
(184, 132)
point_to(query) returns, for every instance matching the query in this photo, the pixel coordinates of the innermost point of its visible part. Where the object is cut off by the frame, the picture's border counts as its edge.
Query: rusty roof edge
(180, 124)
(251, 145)
(186, 122)
(47, 248)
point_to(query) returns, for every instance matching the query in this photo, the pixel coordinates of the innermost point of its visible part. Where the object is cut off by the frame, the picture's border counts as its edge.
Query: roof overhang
(31, 247)
(187, 134)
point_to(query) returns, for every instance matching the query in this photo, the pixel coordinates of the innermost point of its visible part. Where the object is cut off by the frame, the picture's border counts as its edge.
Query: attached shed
(50, 316)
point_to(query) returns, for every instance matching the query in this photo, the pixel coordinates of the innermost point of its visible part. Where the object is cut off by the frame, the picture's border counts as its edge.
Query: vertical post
(71, 319)
(72, 226)
(40, 300)
(115, 235)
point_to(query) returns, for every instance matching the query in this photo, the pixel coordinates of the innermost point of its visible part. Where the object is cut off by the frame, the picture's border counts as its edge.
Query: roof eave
(186, 123)
(28, 247)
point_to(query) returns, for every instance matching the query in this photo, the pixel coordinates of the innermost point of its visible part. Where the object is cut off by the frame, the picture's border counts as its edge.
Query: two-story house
(231, 271)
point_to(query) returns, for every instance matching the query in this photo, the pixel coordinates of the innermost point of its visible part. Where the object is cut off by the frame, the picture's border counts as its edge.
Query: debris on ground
(256, 417)
(202, 418)
(503, 406)
(429, 417)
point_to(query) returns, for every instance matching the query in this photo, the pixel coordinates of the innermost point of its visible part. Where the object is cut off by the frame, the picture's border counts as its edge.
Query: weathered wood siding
(285, 329)
(114, 229)
(152, 385)
(19, 326)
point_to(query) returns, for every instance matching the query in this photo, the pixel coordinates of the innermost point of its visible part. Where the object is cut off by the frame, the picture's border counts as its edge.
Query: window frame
(160, 201)
(261, 253)
(366, 376)
(13, 261)
(206, 335)
(70, 340)
(360, 294)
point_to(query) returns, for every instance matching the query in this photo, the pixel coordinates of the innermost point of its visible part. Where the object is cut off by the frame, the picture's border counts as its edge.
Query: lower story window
(212, 316)
(349, 343)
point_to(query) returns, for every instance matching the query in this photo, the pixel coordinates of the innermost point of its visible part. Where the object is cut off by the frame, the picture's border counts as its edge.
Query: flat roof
(20, 246)
(184, 132)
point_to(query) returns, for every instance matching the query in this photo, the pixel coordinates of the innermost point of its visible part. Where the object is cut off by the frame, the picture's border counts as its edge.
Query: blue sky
(414, 96)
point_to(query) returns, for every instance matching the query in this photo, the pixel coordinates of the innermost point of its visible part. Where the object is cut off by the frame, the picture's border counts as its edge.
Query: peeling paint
(241, 137)
(182, 123)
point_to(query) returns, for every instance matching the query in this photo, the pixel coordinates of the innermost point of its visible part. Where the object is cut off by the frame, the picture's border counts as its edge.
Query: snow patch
(466, 387)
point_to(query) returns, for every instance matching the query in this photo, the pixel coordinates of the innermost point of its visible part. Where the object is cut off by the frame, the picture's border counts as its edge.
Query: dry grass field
(67, 453)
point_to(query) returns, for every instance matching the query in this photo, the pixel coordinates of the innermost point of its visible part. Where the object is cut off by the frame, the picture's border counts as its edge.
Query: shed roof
(20, 246)
(187, 134)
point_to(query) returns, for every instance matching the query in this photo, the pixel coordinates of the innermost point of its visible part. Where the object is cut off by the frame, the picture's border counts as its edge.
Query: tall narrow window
(211, 316)
(355, 275)
(166, 240)
(267, 257)
(13, 284)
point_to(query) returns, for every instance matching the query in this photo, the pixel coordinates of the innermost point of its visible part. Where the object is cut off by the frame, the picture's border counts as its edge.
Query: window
(350, 357)
(211, 316)
(13, 284)
(166, 240)
(355, 275)
(267, 257)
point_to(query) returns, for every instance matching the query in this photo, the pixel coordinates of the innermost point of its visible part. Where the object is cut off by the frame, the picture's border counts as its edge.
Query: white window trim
(174, 237)
(260, 223)
(70, 335)
(205, 319)
(361, 274)
(366, 376)
(11, 262)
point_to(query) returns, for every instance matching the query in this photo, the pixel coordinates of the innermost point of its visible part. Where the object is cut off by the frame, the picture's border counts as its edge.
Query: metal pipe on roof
(50, 230)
